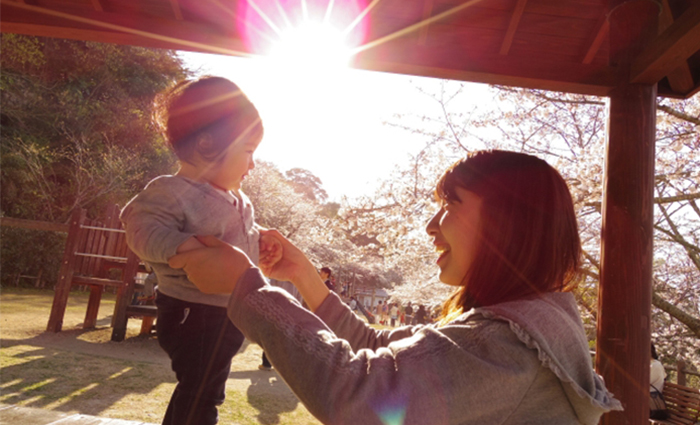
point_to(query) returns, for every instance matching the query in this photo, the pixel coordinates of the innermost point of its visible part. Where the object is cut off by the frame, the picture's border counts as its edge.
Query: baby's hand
(270, 252)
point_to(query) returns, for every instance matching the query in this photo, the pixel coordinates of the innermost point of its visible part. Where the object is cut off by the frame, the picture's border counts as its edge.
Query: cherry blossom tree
(569, 132)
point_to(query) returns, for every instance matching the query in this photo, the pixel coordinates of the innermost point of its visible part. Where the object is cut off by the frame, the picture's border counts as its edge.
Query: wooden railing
(682, 371)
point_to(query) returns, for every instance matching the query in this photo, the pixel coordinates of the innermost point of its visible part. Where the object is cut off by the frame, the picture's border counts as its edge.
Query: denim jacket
(516, 363)
(172, 209)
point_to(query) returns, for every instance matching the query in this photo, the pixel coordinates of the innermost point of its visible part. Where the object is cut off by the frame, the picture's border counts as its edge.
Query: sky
(332, 121)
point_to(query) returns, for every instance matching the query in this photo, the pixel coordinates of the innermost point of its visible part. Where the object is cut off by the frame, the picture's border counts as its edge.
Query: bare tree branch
(679, 114)
(692, 323)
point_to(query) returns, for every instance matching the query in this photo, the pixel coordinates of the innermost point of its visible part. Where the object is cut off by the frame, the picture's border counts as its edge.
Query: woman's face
(454, 230)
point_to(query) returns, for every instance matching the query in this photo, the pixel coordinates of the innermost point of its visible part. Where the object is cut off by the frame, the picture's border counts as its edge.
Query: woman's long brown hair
(529, 241)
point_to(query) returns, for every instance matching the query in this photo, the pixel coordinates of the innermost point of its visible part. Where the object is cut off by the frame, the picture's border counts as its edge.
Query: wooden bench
(683, 405)
(95, 253)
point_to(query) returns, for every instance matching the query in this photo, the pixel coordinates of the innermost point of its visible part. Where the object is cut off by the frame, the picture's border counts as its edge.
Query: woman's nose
(434, 223)
(251, 164)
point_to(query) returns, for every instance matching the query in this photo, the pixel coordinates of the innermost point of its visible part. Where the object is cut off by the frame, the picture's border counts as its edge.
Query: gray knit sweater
(172, 209)
(522, 362)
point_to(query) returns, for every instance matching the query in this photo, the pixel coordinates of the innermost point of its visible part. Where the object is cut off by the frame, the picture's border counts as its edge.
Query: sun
(306, 38)
(312, 46)
(307, 63)
(304, 54)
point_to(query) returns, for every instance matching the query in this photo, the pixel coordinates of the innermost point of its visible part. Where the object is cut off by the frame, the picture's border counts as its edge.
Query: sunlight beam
(304, 10)
(411, 28)
(265, 18)
(282, 12)
(329, 10)
(360, 17)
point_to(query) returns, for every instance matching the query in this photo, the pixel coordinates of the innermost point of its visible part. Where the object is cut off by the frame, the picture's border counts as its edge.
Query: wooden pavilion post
(624, 309)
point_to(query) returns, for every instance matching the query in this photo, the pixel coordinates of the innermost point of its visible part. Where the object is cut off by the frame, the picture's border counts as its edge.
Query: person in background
(657, 405)
(510, 347)
(394, 314)
(658, 373)
(385, 313)
(326, 275)
(408, 311)
(422, 317)
(378, 312)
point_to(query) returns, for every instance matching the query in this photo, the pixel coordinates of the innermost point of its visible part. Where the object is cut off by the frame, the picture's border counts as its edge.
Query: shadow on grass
(81, 370)
(48, 377)
(268, 394)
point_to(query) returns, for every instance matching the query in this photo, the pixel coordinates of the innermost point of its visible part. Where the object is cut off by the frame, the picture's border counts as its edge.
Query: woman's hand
(280, 259)
(271, 250)
(284, 261)
(214, 269)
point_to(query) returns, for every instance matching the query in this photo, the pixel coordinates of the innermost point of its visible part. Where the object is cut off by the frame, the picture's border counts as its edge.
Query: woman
(657, 404)
(657, 372)
(510, 348)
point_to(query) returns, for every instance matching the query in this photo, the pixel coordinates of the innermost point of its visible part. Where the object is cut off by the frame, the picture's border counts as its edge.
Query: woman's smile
(442, 250)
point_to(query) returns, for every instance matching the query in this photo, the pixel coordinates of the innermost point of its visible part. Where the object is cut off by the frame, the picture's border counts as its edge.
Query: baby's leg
(201, 341)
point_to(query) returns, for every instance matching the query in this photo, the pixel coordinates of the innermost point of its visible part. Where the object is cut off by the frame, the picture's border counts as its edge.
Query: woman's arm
(344, 323)
(217, 269)
(429, 377)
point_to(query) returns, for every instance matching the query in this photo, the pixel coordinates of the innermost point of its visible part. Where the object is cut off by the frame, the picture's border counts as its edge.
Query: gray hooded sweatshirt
(521, 362)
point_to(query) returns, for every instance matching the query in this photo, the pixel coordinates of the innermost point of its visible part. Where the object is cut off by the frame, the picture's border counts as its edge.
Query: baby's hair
(206, 116)
(327, 270)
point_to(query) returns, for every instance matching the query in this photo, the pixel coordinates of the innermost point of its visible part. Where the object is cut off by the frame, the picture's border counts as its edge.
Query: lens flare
(394, 416)
(304, 32)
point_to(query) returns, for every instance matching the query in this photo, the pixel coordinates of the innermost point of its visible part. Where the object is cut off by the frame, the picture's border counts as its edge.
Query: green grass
(82, 371)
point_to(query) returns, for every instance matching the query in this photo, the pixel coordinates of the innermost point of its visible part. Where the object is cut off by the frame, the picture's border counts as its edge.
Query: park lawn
(82, 371)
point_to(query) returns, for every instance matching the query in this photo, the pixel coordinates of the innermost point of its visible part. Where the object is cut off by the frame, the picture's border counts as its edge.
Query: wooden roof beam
(404, 58)
(680, 79)
(597, 41)
(670, 49)
(177, 11)
(92, 26)
(513, 26)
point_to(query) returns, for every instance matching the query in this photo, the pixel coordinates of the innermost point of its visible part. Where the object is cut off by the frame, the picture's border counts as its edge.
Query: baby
(214, 129)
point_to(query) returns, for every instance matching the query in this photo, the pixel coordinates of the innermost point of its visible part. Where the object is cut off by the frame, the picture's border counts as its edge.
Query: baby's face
(230, 171)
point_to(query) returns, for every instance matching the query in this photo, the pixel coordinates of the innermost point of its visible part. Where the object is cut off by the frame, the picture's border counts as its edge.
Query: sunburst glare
(304, 38)
(315, 46)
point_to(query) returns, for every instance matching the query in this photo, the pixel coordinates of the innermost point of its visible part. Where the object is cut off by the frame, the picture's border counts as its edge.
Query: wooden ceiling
(548, 44)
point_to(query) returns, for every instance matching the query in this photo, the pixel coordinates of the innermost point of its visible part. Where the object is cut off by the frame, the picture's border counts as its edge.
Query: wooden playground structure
(96, 257)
